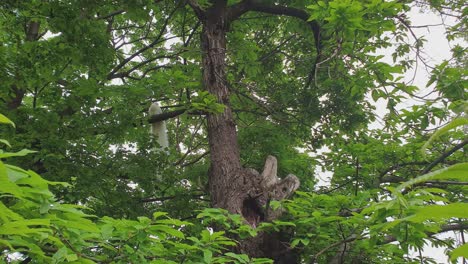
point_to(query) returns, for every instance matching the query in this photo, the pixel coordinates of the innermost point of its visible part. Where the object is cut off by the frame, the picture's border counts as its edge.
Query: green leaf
(169, 230)
(207, 255)
(6, 243)
(60, 254)
(461, 251)
(80, 224)
(6, 214)
(20, 153)
(5, 142)
(440, 212)
(242, 258)
(375, 95)
(22, 227)
(172, 222)
(71, 257)
(5, 120)
(6, 186)
(157, 215)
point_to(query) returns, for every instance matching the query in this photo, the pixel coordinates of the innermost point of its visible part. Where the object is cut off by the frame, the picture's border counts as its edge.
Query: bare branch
(115, 13)
(147, 47)
(444, 156)
(143, 63)
(383, 178)
(195, 160)
(426, 26)
(349, 239)
(388, 239)
(165, 198)
(447, 182)
(443, 229)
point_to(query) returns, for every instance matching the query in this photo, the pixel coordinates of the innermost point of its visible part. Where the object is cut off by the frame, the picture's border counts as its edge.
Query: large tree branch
(165, 116)
(237, 10)
(397, 166)
(199, 11)
(168, 115)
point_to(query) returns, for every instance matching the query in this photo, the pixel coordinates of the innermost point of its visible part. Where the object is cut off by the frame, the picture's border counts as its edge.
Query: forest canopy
(261, 99)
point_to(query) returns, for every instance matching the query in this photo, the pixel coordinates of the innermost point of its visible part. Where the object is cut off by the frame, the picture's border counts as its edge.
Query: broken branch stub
(269, 176)
(266, 187)
(277, 188)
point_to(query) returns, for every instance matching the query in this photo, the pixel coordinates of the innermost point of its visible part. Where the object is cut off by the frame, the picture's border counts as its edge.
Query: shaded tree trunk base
(250, 196)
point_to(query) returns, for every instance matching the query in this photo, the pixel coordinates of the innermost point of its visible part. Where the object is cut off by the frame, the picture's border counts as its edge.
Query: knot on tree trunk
(263, 188)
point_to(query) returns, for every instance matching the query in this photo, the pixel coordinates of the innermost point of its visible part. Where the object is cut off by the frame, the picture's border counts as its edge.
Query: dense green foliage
(79, 86)
(33, 223)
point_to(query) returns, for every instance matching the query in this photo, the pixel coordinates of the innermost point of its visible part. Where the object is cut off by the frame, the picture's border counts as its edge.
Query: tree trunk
(236, 189)
(225, 161)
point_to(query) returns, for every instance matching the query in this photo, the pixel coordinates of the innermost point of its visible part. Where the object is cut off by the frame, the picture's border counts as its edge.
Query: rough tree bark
(232, 187)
